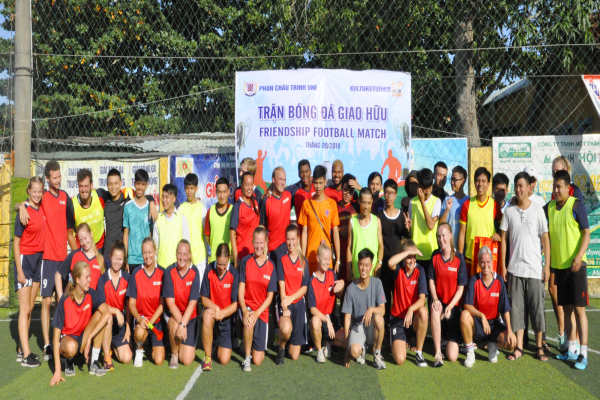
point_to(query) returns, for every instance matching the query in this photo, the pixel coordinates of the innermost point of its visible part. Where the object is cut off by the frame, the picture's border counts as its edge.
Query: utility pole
(22, 89)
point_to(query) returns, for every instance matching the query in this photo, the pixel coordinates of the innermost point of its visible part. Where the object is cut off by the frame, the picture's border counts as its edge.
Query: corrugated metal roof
(507, 91)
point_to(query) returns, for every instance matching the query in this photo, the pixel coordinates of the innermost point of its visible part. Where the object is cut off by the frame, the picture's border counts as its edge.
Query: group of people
(469, 268)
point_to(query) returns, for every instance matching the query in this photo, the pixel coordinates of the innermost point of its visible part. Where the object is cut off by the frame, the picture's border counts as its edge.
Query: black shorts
(572, 287)
(298, 316)
(261, 334)
(451, 326)
(225, 328)
(192, 332)
(49, 268)
(78, 339)
(31, 264)
(398, 331)
(118, 333)
(325, 330)
(496, 328)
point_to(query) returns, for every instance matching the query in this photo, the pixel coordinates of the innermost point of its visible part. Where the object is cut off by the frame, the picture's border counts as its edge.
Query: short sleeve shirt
(258, 281)
(147, 290)
(71, 317)
(320, 294)
(137, 220)
(357, 301)
(490, 300)
(220, 290)
(183, 289)
(328, 214)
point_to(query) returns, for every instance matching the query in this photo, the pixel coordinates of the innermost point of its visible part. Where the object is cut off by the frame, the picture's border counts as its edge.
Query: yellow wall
(5, 196)
(479, 157)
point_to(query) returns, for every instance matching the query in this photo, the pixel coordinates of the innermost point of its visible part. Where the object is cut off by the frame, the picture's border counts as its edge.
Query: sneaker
(139, 358)
(567, 356)
(581, 363)
(420, 361)
(30, 361)
(207, 365)
(327, 349)
(96, 369)
(465, 350)
(19, 356)
(563, 344)
(47, 352)
(470, 361)
(439, 360)
(280, 356)
(69, 367)
(493, 352)
(108, 365)
(321, 356)
(247, 364)
(361, 359)
(378, 361)
(174, 363)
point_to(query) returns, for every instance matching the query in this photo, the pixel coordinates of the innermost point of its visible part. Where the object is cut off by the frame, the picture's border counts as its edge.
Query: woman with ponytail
(81, 316)
(87, 253)
(245, 219)
(292, 274)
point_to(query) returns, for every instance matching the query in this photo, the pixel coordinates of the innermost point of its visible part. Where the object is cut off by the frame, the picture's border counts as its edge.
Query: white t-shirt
(437, 207)
(524, 229)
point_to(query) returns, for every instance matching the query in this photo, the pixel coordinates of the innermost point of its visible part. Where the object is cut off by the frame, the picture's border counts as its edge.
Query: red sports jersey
(34, 234)
(114, 295)
(238, 193)
(333, 193)
(147, 290)
(221, 291)
(244, 220)
(56, 209)
(258, 280)
(292, 274)
(275, 216)
(491, 301)
(183, 289)
(299, 195)
(448, 275)
(321, 294)
(72, 318)
(407, 289)
(78, 255)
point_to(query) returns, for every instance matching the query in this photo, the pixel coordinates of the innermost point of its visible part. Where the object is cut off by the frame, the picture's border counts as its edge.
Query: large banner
(425, 153)
(362, 118)
(592, 84)
(512, 154)
(100, 169)
(209, 168)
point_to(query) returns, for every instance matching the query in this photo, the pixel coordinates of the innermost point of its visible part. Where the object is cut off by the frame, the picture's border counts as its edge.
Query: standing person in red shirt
(247, 165)
(409, 314)
(245, 218)
(258, 282)
(334, 191)
(28, 248)
(145, 305)
(292, 274)
(80, 318)
(220, 300)
(275, 212)
(181, 289)
(447, 281)
(303, 189)
(113, 285)
(347, 208)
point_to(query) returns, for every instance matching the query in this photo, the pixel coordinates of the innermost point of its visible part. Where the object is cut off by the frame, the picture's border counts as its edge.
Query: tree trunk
(466, 95)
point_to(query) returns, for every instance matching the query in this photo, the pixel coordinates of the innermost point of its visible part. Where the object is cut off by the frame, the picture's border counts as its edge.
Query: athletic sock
(419, 353)
(572, 346)
(95, 355)
(470, 346)
(377, 352)
(584, 351)
(139, 344)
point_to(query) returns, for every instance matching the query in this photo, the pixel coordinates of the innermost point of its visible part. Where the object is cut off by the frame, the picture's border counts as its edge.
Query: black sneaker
(280, 356)
(96, 369)
(420, 361)
(47, 352)
(30, 361)
(69, 367)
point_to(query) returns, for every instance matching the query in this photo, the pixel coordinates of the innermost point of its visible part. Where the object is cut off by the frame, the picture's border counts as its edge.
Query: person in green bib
(424, 213)
(218, 218)
(364, 232)
(569, 231)
(171, 226)
(194, 212)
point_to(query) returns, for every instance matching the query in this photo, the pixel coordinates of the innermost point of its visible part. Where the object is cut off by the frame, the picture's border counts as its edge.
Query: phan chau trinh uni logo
(514, 150)
(250, 88)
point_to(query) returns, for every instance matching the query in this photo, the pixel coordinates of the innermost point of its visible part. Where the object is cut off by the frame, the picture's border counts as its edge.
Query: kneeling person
(486, 317)
(364, 306)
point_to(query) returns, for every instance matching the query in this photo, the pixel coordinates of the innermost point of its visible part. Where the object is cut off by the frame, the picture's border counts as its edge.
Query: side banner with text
(512, 154)
(359, 117)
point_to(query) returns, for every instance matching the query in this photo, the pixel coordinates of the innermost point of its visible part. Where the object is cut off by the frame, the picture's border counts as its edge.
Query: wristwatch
(182, 324)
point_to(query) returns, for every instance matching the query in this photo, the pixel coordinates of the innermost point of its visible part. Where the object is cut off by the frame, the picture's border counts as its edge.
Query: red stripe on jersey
(149, 291)
(248, 221)
(486, 300)
(92, 262)
(34, 235)
(77, 316)
(257, 283)
(324, 294)
(293, 276)
(115, 297)
(278, 218)
(220, 289)
(406, 292)
(55, 208)
(446, 277)
(300, 196)
(181, 288)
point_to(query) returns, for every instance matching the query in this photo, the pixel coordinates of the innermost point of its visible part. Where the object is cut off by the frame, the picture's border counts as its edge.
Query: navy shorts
(398, 331)
(78, 339)
(225, 329)
(261, 334)
(31, 264)
(325, 330)
(49, 268)
(154, 342)
(451, 326)
(192, 332)
(298, 316)
(118, 333)
(496, 328)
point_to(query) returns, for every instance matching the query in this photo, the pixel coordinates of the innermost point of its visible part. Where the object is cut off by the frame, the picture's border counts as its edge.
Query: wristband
(380, 262)
(182, 324)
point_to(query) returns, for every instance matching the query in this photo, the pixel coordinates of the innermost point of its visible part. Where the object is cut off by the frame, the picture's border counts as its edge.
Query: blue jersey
(137, 220)
(454, 215)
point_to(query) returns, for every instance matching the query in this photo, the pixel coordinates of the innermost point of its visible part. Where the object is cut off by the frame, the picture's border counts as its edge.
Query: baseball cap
(531, 171)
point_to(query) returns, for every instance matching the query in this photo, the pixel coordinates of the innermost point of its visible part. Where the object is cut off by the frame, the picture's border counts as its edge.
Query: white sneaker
(327, 349)
(247, 364)
(321, 358)
(361, 359)
(378, 362)
(493, 352)
(139, 358)
(470, 361)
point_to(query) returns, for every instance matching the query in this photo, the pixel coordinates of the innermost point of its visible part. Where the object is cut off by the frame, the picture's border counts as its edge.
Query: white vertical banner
(592, 84)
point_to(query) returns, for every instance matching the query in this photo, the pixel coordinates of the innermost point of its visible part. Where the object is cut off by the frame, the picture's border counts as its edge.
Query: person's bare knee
(356, 350)
(258, 357)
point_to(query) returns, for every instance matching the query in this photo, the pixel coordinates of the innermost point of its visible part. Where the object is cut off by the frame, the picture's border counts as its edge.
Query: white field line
(190, 383)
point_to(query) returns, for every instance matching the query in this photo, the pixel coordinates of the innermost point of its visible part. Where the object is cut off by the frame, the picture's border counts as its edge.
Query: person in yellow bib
(364, 232)
(88, 207)
(170, 227)
(194, 212)
(569, 231)
(217, 220)
(480, 216)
